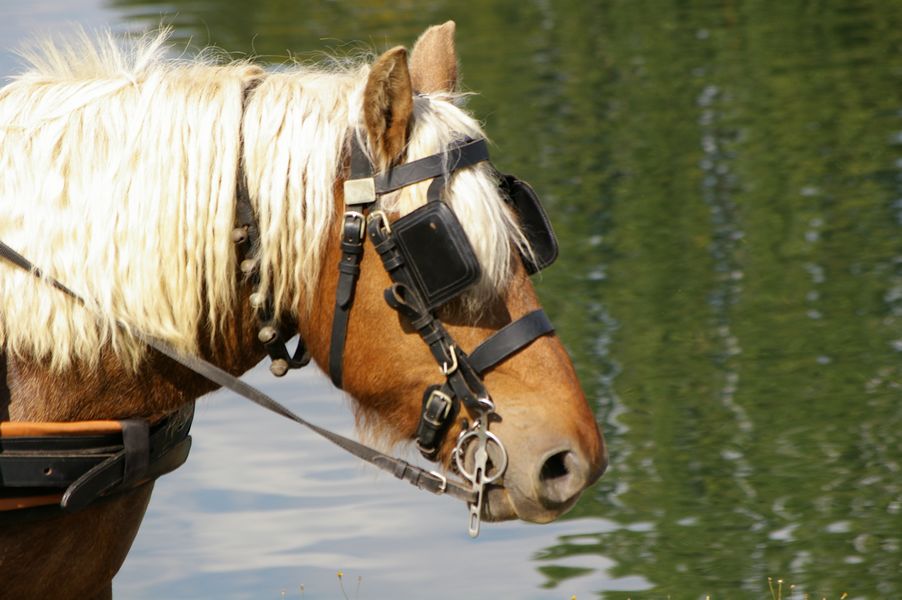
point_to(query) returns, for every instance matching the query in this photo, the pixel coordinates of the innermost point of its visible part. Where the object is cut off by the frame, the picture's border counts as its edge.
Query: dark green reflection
(726, 181)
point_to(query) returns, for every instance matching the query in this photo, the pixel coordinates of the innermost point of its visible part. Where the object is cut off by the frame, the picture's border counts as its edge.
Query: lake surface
(726, 181)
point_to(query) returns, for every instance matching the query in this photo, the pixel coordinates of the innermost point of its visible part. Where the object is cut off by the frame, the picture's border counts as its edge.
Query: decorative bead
(239, 234)
(279, 367)
(267, 334)
(248, 266)
(257, 300)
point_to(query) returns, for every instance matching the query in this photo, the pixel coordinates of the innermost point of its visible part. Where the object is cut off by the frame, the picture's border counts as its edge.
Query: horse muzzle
(544, 479)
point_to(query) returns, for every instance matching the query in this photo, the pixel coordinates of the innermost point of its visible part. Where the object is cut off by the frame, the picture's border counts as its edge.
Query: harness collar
(68, 465)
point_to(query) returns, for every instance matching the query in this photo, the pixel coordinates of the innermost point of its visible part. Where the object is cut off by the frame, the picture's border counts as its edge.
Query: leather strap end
(94, 483)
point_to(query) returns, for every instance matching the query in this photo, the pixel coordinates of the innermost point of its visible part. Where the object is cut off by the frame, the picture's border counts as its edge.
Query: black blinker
(534, 223)
(440, 259)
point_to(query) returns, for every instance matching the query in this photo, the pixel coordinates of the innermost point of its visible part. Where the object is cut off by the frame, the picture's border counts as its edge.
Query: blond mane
(119, 177)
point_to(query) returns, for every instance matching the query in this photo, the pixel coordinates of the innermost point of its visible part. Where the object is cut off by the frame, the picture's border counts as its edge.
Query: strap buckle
(437, 408)
(449, 369)
(383, 220)
(352, 215)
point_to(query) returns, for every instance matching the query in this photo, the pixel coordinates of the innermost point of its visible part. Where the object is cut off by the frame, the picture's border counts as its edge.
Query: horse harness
(430, 261)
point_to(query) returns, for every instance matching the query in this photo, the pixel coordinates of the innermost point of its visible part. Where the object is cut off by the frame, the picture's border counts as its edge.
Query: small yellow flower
(340, 574)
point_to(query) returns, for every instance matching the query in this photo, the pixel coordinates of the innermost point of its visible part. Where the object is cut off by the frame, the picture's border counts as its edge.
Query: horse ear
(433, 61)
(388, 105)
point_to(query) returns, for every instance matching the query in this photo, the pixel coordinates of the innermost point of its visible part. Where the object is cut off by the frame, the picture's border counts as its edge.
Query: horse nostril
(555, 467)
(561, 477)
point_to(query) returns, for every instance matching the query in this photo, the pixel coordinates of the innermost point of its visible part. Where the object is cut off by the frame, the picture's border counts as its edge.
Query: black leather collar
(82, 467)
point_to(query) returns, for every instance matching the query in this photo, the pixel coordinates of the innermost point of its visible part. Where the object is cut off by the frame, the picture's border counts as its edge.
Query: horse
(124, 173)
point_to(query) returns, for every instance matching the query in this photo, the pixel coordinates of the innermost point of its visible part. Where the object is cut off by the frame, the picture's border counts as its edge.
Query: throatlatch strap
(510, 339)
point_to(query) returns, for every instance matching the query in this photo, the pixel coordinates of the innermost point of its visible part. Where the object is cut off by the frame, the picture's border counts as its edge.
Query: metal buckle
(437, 420)
(443, 479)
(446, 370)
(361, 227)
(383, 218)
(360, 191)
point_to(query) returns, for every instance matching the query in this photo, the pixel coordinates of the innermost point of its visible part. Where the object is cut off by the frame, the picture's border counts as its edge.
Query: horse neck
(110, 390)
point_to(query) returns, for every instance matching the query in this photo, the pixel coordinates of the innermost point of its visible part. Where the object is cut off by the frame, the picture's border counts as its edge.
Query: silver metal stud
(257, 300)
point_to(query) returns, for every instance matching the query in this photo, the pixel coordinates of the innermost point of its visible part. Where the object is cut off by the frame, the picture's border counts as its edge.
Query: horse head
(154, 160)
(404, 112)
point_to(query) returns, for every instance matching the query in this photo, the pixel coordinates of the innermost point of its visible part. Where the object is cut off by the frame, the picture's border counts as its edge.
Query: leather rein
(146, 452)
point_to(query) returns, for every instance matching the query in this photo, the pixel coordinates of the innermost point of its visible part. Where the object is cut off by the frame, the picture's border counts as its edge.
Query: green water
(726, 182)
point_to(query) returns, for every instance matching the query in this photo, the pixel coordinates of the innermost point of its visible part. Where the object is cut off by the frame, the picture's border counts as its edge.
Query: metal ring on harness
(459, 454)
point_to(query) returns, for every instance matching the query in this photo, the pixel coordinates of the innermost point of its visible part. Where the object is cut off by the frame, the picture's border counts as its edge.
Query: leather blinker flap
(534, 223)
(435, 247)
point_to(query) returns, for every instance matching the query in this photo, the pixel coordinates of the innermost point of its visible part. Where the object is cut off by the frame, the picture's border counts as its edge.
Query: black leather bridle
(413, 294)
(416, 293)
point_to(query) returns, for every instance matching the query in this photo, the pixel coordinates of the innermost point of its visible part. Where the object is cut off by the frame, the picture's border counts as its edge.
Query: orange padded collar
(23, 428)
(29, 502)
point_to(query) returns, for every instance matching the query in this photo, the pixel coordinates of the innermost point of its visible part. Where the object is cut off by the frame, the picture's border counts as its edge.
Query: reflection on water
(726, 180)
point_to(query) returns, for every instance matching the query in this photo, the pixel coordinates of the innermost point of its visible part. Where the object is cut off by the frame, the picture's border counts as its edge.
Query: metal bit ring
(460, 451)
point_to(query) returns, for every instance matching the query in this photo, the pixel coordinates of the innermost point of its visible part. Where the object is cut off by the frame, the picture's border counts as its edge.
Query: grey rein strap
(426, 480)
